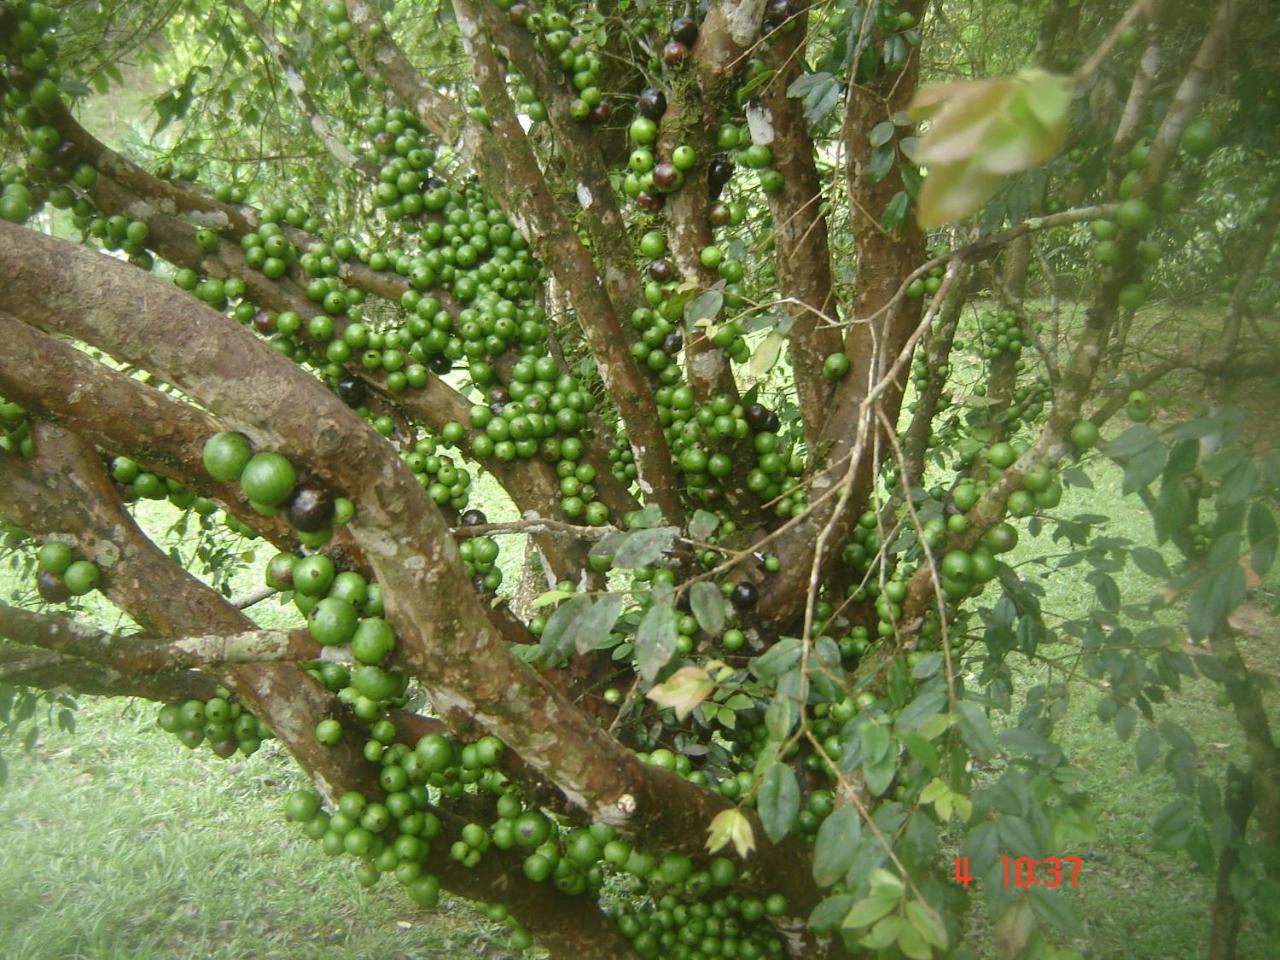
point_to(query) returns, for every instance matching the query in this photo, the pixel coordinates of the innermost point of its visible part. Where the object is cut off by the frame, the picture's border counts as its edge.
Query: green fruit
(225, 456)
(374, 639)
(1199, 138)
(313, 575)
(1134, 214)
(80, 577)
(332, 622)
(1001, 455)
(1084, 435)
(55, 557)
(268, 478)
(835, 366)
(302, 806)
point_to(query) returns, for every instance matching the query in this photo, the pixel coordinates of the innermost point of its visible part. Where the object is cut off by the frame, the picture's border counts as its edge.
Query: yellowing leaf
(683, 690)
(731, 826)
(982, 130)
(952, 192)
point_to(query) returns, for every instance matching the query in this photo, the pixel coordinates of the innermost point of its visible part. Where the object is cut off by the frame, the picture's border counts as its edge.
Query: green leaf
(1136, 439)
(975, 730)
(643, 547)
(560, 633)
(703, 524)
(867, 911)
(593, 626)
(707, 603)
(881, 162)
(826, 916)
(922, 750)
(879, 775)
(836, 845)
(1262, 539)
(705, 306)
(1053, 907)
(777, 660)
(1151, 563)
(766, 354)
(780, 717)
(655, 639)
(778, 801)
(1147, 749)
(927, 923)
(876, 741)
(895, 211)
(884, 933)
(912, 940)
(881, 133)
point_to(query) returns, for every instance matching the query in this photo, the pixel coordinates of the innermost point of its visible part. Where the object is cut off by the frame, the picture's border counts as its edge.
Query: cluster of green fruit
(270, 483)
(60, 576)
(999, 332)
(446, 483)
(220, 721)
(405, 187)
(339, 37)
(726, 926)
(572, 54)
(135, 483)
(15, 429)
(929, 284)
(390, 836)
(31, 93)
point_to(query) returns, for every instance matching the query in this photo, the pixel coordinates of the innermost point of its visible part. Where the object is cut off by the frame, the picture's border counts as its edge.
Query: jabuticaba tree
(691, 284)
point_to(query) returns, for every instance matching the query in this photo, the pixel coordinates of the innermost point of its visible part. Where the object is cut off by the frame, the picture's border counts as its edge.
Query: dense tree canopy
(777, 325)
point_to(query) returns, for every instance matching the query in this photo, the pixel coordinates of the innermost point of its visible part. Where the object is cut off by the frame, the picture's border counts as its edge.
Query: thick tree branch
(802, 257)
(530, 204)
(46, 670)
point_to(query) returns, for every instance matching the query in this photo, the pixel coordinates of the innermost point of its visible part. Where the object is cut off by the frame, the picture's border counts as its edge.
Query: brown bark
(802, 257)
(883, 321)
(45, 670)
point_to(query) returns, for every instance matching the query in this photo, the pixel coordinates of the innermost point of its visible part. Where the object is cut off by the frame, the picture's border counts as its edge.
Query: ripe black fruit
(473, 518)
(352, 390)
(661, 270)
(650, 201)
(440, 364)
(744, 595)
(310, 509)
(672, 344)
(600, 112)
(651, 103)
(674, 52)
(685, 30)
(51, 588)
(776, 13)
(719, 214)
(719, 172)
(665, 175)
(756, 415)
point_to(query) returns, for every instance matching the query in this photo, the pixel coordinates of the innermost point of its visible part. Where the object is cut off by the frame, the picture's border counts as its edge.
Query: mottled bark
(802, 257)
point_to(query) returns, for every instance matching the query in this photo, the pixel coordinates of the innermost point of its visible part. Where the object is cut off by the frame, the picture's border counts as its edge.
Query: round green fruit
(225, 455)
(268, 478)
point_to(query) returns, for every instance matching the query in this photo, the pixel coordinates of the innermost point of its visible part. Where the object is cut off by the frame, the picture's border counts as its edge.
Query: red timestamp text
(1047, 871)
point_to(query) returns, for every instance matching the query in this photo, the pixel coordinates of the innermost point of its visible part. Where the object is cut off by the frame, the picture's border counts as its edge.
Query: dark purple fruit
(672, 344)
(651, 103)
(674, 52)
(719, 173)
(264, 323)
(352, 390)
(440, 364)
(601, 112)
(773, 424)
(310, 509)
(650, 201)
(473, 518)
(744, 595)
(51, 588)
(756, 415)
(498, 395)
(719, 214)
(665, 175)
(684, 30)
(661, 270)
